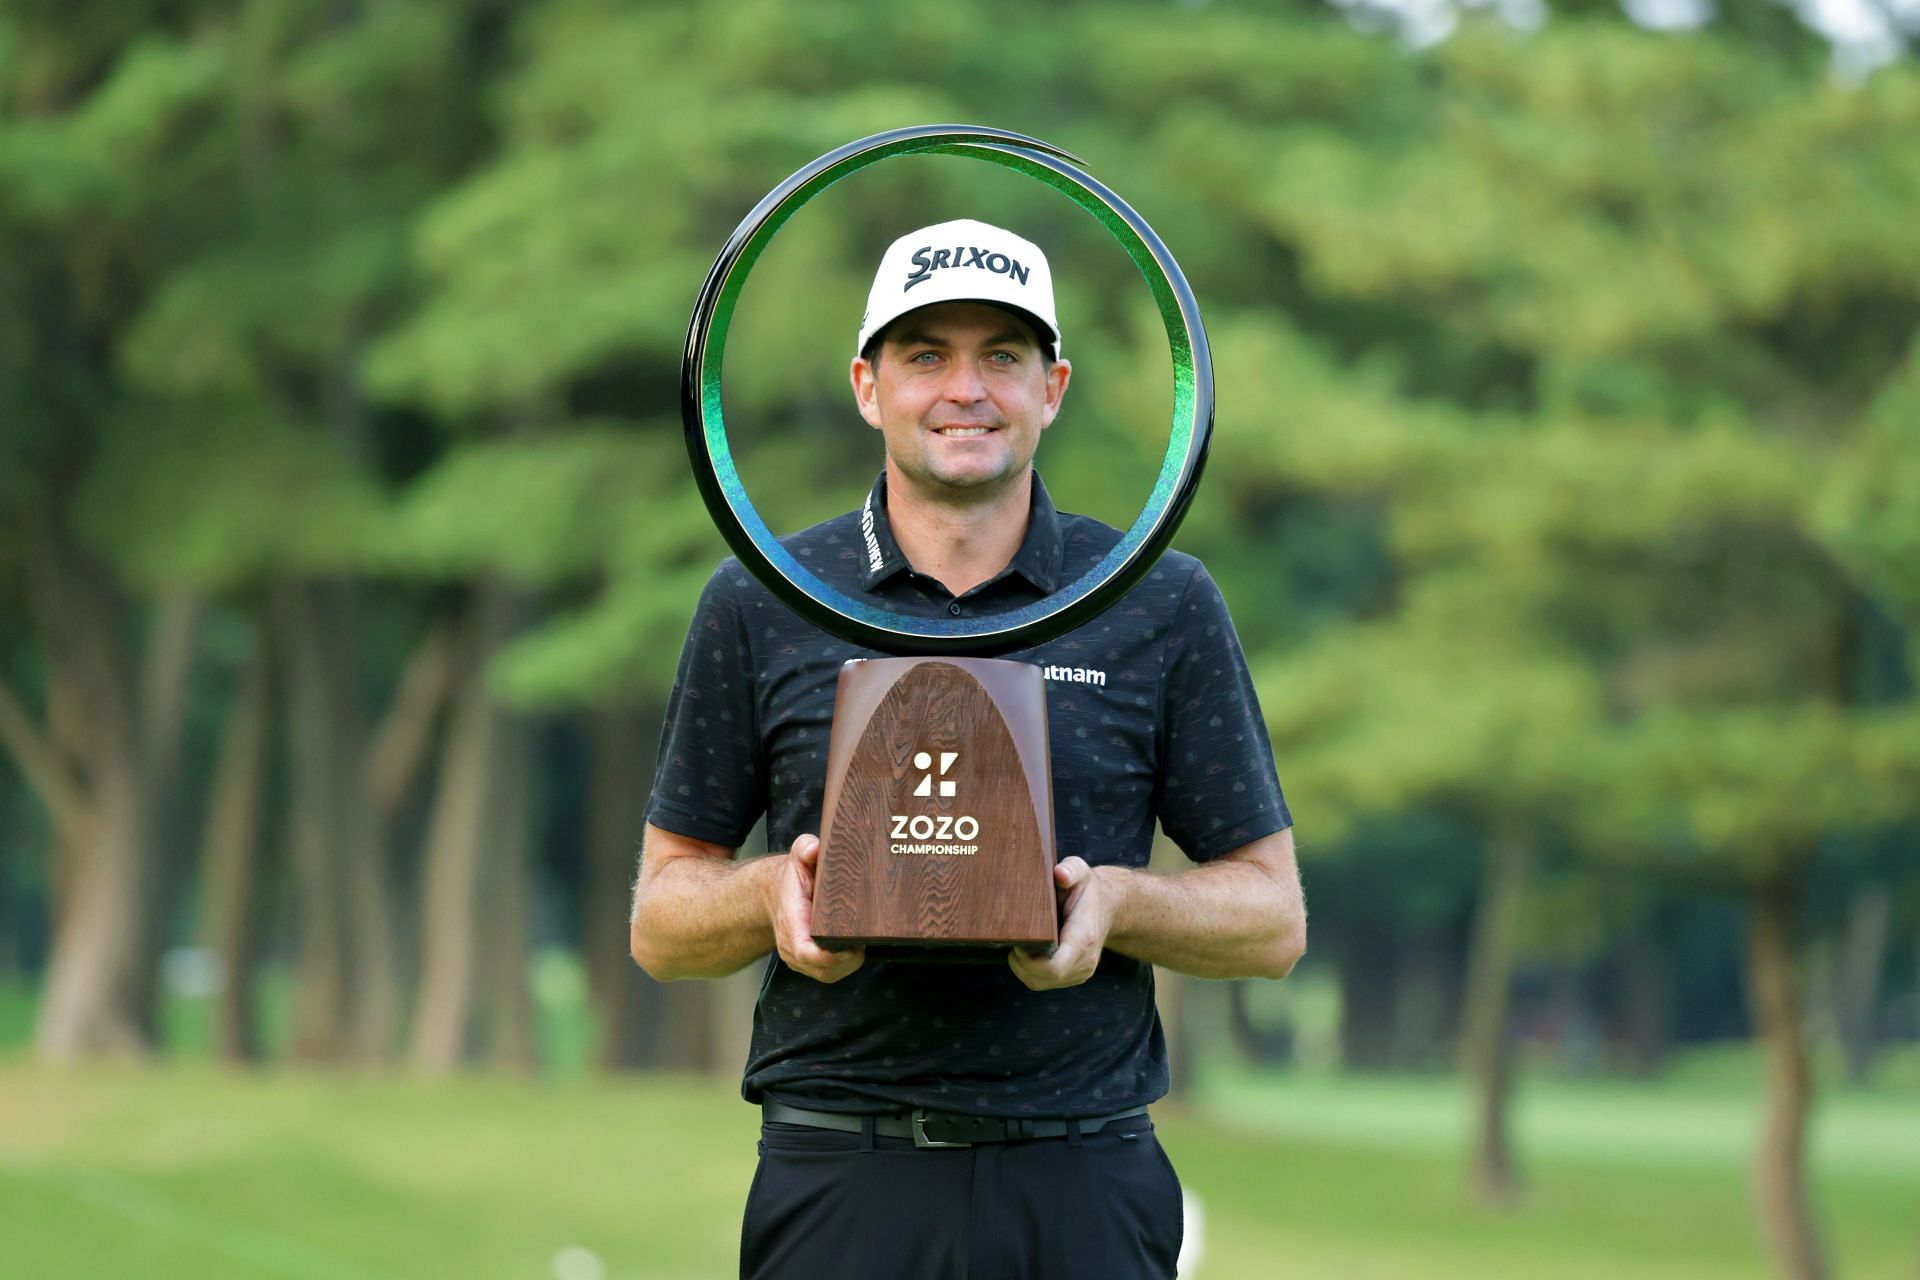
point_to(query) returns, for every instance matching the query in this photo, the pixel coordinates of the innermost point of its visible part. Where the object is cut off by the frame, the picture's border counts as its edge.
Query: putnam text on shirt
(1075, 675)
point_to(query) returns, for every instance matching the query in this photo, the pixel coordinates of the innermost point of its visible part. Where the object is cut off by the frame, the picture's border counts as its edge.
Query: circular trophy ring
(861, 621)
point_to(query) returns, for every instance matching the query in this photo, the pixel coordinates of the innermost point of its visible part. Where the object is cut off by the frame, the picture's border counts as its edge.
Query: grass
(195, 1172)
(1646, 1180)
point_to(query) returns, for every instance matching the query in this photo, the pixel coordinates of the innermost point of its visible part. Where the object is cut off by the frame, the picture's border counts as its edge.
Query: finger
(804, 863)
(1030, 969)
(802, 948)
(845, 962)
(828, 966)
(1064, 963)
(1048, 973)
(1069, 872)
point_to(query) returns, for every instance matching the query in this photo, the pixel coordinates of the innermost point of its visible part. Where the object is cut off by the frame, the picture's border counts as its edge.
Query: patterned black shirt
(1151, 715)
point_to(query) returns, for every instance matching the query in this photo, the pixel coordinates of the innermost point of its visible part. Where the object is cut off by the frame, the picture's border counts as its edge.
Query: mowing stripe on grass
(122, 1196)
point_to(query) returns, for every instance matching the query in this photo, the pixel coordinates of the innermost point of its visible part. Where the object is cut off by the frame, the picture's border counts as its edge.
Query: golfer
(929, 1121)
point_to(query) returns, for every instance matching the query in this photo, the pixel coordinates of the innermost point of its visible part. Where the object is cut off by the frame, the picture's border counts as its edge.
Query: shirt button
(955, 609)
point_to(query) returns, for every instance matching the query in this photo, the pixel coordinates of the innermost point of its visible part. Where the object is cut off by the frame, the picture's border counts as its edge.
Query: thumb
(807, 850)
(1069, 872)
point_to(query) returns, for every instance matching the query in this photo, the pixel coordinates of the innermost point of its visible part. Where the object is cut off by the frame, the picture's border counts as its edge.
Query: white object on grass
(1193, 1242)
(577, 1262)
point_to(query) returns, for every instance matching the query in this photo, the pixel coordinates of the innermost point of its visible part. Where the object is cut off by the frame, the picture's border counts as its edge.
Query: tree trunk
(1856, 977)
(1426, 998)
(1779, 1184)
(456, 844)
(616, 802)
(1263, 1046)
(318, 814)
(1648, 1014)
(688, 1030)
(102, 767)
(1486, 1052)
(374, 999)
(231, 859)
(400, 746)
(506, 908)
(673, 1026)
(70, 740)
(1369, 959)
(11, 960)
(93, 1002)
(393, 759)
(347, 993)
(1172, 997)
(165, 692)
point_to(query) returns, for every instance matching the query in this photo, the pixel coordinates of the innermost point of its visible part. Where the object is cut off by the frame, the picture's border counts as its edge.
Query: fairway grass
(194, 1172)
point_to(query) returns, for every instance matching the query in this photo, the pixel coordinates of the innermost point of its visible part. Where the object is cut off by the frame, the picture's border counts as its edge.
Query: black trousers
(845, 1206)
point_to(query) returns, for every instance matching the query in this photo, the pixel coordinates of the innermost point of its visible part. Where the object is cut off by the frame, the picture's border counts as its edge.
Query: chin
(974, 481)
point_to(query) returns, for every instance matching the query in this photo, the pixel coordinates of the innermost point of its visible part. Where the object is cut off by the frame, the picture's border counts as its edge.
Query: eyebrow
(1010, 336)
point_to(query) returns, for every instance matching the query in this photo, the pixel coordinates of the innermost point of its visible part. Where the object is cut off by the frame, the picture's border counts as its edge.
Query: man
(1041, 1068)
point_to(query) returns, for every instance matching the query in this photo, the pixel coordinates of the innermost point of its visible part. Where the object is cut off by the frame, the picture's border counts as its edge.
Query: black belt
(941, 1128)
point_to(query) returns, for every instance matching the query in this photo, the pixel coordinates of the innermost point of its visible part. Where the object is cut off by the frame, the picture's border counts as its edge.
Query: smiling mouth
(962, 433)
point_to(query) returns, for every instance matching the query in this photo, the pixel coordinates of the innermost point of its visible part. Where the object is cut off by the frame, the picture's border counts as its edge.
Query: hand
(1088, 902)
(790, 908)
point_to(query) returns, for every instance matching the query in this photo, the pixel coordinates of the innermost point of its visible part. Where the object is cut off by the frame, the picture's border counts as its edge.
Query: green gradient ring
(860, 620)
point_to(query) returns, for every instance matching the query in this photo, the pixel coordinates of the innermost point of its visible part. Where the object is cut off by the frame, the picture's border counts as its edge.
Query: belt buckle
(920, 1138)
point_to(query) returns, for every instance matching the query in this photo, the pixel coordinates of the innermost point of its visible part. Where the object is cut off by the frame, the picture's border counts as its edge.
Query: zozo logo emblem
(924, 760)
(938, 827)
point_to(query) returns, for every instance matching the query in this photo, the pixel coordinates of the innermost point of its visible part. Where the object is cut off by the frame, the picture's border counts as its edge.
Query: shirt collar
(1038, 559)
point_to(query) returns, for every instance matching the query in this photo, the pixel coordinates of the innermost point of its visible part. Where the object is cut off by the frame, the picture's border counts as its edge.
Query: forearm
(701, 917)
(1225, 919)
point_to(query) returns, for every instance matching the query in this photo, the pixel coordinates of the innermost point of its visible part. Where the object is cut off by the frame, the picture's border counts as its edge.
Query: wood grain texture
(938, 812)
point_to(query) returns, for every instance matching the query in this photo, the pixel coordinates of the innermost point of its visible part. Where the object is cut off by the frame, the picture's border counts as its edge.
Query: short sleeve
(711, 779)
(1218, 787)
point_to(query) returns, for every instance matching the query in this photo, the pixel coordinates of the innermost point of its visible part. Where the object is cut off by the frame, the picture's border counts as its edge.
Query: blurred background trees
(1566, 490)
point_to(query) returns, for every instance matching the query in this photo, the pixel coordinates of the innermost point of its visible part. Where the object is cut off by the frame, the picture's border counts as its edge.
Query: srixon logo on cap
(929, 260)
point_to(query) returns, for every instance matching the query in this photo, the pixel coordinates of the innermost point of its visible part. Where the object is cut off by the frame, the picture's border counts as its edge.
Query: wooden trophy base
(936, 835)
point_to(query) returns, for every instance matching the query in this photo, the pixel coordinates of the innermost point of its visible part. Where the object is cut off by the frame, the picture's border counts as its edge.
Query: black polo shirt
(1151, 714)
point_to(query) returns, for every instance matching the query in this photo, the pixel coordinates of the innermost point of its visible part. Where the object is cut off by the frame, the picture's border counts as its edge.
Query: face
(961, 391)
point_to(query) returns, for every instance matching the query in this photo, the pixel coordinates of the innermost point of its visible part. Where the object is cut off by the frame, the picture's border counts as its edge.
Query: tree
(231, 190)
(1611, 255)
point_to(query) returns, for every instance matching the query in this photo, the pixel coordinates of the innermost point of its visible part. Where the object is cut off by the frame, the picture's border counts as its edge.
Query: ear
(1059, 373)
(866, 390)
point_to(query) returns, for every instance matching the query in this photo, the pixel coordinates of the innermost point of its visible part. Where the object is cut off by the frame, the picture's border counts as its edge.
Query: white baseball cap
(961, 261)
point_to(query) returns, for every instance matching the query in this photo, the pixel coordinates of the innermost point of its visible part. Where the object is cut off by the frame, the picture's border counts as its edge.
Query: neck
(962, 544)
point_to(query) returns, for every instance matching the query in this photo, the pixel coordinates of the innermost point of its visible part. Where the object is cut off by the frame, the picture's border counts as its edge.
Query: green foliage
(540, 508)
(1629, 482)
(1869, 511)
(1755, 787)
(1567, 380)
(210, 493)
(595, 504)
(1369, 724)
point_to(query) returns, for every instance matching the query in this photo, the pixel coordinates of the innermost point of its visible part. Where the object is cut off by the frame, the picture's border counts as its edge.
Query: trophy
(937, 832)
(937, 825)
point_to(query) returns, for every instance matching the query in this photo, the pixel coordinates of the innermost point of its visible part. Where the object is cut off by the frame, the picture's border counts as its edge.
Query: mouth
(965, 432)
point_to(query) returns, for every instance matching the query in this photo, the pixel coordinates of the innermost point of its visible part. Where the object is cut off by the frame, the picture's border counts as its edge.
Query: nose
(963, 384)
